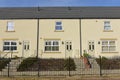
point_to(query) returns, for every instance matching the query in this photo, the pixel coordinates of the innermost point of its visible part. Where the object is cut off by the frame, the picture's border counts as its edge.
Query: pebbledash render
(59, 32)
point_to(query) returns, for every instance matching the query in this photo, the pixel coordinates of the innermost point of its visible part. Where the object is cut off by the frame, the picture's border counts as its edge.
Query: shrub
(109, 63)
(51, 64)
(3, 63)
(104, 58)
(86, 55)
(32, 64)
(27, 64)
(69, 64)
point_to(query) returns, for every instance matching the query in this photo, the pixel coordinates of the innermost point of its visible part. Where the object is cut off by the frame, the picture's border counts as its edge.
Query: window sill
(59, 31)
(109, 52)
(10, 51)
(10, 31)
(107, 30)
(51, 52)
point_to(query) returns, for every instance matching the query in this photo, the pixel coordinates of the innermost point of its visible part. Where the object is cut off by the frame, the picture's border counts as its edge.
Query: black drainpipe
(37, 38)
(80, 37)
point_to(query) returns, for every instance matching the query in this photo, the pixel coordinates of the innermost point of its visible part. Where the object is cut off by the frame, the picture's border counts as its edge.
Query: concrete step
(79, 64)
(13, 65)
(94, 64)
(14, 70)
(10, 67)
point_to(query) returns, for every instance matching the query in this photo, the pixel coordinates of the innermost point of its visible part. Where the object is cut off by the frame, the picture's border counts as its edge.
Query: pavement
(64, 78)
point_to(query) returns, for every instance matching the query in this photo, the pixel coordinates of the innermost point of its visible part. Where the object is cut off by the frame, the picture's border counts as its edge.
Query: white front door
(91, 48)
(68, 49)
(26, 48)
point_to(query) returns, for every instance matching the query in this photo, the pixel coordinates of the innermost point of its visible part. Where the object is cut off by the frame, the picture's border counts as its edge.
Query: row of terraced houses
(59, 32)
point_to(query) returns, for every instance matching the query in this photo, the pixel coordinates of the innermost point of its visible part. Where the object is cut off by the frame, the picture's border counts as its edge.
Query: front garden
(34, 64)
(109, 63)
(3, 63)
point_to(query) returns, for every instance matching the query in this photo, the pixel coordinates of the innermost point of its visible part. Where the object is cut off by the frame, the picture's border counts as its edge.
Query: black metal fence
(59, 67)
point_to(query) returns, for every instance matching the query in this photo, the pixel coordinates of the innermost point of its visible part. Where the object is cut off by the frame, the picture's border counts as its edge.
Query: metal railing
(60, 67)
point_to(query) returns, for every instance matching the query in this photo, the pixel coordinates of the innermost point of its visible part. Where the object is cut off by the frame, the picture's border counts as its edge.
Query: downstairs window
(9, 45)
(108, 45)
(51, 45)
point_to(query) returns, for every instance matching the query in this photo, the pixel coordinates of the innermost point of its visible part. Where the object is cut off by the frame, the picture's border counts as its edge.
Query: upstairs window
(58, 25)
(10, 26)
(107, 26)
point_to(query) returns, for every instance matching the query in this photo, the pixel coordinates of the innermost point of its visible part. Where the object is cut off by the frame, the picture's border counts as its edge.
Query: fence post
(8, 70)
(69, 66)
(38, 68)
(100, 65)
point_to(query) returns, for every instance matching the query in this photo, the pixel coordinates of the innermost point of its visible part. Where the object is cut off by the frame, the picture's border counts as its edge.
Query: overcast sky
(34, 3)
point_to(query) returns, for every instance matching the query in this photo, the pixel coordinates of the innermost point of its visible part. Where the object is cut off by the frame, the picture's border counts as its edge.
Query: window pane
(6, 43)
(10, 23)
(58, 23)
(13, 43)
(55, 48)
(89, 47)
(28, 47)
(55, 43)
(112, 42)
(107, 28)
(105, 48)
(70, 47)
(47, 48)
(6, 48)
(104, 42)
(25, 47)
(112, 48)
(13, 48)
(58, 27)
(67, 47)
(46, 43)
(92, 47)
(10, 26)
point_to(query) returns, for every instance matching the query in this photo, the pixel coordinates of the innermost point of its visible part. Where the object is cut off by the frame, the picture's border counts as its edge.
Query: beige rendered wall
(93, 29)
(25, 29)
(70, 32)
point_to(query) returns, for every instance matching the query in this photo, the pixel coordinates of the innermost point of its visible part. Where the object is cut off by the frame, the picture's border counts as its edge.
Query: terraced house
(59, 32)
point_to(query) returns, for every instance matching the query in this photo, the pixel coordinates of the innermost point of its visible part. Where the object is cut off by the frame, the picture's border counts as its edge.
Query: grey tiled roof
(59, 12)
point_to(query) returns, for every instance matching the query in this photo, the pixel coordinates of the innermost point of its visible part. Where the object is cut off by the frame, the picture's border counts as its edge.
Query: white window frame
(108, 45)
(10, 26)
(52, 45)
(107, 26)
(10, 45)
(58, 25)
